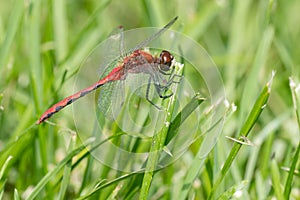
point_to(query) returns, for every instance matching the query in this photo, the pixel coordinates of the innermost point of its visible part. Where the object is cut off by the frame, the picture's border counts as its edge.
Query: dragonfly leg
(163, 88)
(147, 94)
(165, 73)
(176, 81)
(159, 90)
(169, 82)
(172, 75)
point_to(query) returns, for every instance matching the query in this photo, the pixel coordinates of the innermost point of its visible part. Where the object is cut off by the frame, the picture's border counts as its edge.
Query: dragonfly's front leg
(160, 89)
(147, 93)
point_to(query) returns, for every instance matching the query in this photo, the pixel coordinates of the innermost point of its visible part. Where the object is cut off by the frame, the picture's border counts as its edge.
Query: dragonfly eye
(165, 59)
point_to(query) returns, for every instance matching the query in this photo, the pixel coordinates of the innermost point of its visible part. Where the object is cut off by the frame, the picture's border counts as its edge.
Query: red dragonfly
(138, 61)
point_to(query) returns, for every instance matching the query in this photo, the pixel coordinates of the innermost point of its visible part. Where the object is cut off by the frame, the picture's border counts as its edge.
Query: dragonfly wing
(154, 36)
(110, 52)
(117, 36)
(111, 98)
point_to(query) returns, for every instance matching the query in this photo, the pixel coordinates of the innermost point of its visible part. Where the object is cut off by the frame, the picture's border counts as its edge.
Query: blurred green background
(42, 43)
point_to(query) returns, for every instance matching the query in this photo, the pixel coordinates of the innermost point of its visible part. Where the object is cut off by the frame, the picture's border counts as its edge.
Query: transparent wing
(111, 99)
(111, 52)
(111, 95)
(154, 36)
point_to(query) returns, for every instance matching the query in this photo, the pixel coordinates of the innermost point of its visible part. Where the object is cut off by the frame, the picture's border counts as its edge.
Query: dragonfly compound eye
(165, 58)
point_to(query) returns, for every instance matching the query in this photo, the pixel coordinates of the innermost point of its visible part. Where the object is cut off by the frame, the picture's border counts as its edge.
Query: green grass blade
(17, 147)
(187, 110)
(44, 43)
(251, 85)
(284, 54)
(2, 186)
(158, 141)
(263, 141)
(67, 170)
(289, 180)
(206, 17)
(52, 173)
(34, 53)
(175, 124)
(60, 29)
(2, 171)
(1, 193)
(102, 185)
(16, 195)
(86, 154)
(4, 166)
(89, 167)
(296, 101)
(87, 173)
(236, 42)
(13, 25)
(258, 107)
(276, 181)
(80, 52)
(199, 160)
(154, 7)
(63, 163)
(232, 190)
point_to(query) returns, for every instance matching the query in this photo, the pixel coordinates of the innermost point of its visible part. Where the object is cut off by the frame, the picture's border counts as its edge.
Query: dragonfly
(138, 61)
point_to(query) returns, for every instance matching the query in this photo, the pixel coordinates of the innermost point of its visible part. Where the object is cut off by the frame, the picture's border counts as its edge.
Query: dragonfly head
(165, 60)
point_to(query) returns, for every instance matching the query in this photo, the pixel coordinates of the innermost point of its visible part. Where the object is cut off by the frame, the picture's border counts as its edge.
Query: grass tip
(269, 84)
(91, 139)
(167, 124)
(226, 103)
(165, 149)
(242, 140)
(238, 194)
(177, 65)
(293, 85)
(233, 107)
(229, 105)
